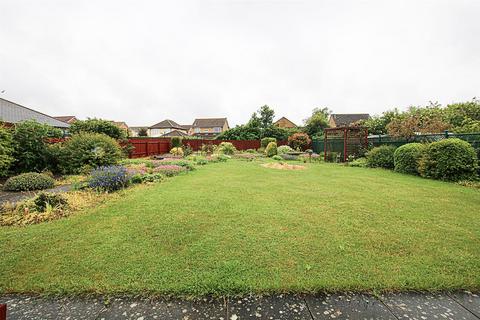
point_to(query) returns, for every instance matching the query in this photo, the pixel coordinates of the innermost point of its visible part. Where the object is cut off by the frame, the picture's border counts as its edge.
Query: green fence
(336, 145)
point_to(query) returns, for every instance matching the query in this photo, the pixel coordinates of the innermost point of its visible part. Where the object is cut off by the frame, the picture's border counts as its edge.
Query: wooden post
(325, 146)
(345, 135)
(3, 311)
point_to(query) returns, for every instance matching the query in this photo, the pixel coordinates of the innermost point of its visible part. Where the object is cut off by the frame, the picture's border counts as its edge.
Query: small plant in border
(109, 178)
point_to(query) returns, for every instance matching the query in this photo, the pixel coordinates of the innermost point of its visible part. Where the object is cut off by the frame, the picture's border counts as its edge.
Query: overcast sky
(144, 61)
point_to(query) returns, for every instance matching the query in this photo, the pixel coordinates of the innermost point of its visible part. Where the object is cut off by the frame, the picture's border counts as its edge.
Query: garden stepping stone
(143, 309)
(268, 307)
(469, 301)
(424, 306)
(347, 306)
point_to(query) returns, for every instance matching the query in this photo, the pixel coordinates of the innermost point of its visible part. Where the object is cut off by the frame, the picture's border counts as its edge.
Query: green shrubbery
(29, 181)
(449, 159)
(6, 151)
(176, 142)
(277, 157)
(265, 141)
(406, 157)
(284, 149)
(381, 157)
(299, 141)
(226, 148)
(89, 150)
(45, 199)
(97, 126)
(271, 149)
(177, 151)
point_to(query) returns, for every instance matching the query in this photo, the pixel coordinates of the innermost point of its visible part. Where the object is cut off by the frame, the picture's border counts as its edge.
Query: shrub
(277, 157)
(176, 142)
(207, 148)
(169, 170)
(406, 157)
(251, 151)
(30, 145)
(333, 156)
(147, 177)
(44, 199)
(360, 162)
(177, 151)
(201, 161)
(187, 150)
(381, 157)
(29, 181)
(284, 149)
(265, 141)
(287, 156)
(6, 151)
(299, 141)
(271, 149)
(108, 178)
(97, 126)
(89, 150)
(226, 148)
(223, 158)
(449, 159)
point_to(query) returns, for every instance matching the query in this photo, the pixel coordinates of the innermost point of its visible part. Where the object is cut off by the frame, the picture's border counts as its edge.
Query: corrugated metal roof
(14, 113)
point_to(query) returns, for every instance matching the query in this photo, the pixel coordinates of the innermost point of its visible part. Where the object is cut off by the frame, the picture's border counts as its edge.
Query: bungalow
(284, 123)
(208, 127)
(346, 119)
(163, 127)
(12, 113)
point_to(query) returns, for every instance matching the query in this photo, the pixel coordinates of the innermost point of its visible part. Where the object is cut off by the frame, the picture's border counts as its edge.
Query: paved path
(460, 305)
(12, 197)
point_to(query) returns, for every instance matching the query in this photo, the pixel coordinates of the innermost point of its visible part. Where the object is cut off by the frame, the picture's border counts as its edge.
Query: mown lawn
(237, 227)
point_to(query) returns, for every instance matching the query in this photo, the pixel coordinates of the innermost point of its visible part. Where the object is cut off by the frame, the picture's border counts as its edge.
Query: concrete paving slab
(28, 307)
(143, 309)
(469, 300)
(268, 307)
(347, 306)
(426, 306)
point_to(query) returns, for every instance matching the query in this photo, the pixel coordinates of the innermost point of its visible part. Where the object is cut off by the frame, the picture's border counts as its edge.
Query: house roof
(138, 128)
(284, 118)
(186, 126)
(65, 118)
(345, 119)
(119, 123)
(175, 133)
(209, 122)
(166, 124)
(14, 113)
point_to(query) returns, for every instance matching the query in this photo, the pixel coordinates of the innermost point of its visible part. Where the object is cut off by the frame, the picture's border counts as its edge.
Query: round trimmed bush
(28, 182)
(89, 150)
(284, 149)
(44, 199)
(381, 157)
(406, 157)
(277, 157)
(271, 149)
(177, 151)
(449, 159)
(299, 141)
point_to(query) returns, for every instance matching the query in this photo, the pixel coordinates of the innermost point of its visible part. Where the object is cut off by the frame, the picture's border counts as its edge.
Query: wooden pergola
(345, 140)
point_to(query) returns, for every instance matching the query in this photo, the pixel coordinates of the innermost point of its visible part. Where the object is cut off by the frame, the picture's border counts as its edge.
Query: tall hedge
(449, 159)
(407, 157)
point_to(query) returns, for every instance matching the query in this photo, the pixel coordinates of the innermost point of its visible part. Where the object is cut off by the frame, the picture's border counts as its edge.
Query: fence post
(446, 134)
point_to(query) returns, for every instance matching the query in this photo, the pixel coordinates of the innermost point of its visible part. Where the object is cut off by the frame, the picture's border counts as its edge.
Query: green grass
(237, 227)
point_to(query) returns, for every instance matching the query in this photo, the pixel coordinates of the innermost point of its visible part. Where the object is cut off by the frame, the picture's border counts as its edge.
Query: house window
(197, 130)
(217, 129)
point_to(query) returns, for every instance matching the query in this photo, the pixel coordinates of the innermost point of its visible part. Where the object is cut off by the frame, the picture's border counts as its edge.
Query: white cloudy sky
(144, 61)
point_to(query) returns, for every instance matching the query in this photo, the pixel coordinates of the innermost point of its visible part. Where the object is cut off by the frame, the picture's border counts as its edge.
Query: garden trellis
(344, 142)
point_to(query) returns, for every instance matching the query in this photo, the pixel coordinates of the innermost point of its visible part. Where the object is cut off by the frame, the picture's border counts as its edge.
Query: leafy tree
(97, 126)
(143, 132)
(299, 141)
(408, 125)
(378, 124)
(463, 116)
(6, 150)
(317, 122)
(30, 145)
(266, 116)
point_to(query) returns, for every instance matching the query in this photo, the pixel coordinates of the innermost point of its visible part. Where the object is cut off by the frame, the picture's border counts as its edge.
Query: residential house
(66, 119)
(122, 125)
(175, 133)
(284, 123)
(209, 127)
(12, 113)
(346, 119)
(134, 131)
(163, 127)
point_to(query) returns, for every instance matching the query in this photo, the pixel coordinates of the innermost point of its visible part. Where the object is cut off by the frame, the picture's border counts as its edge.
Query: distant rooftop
(14, 113)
